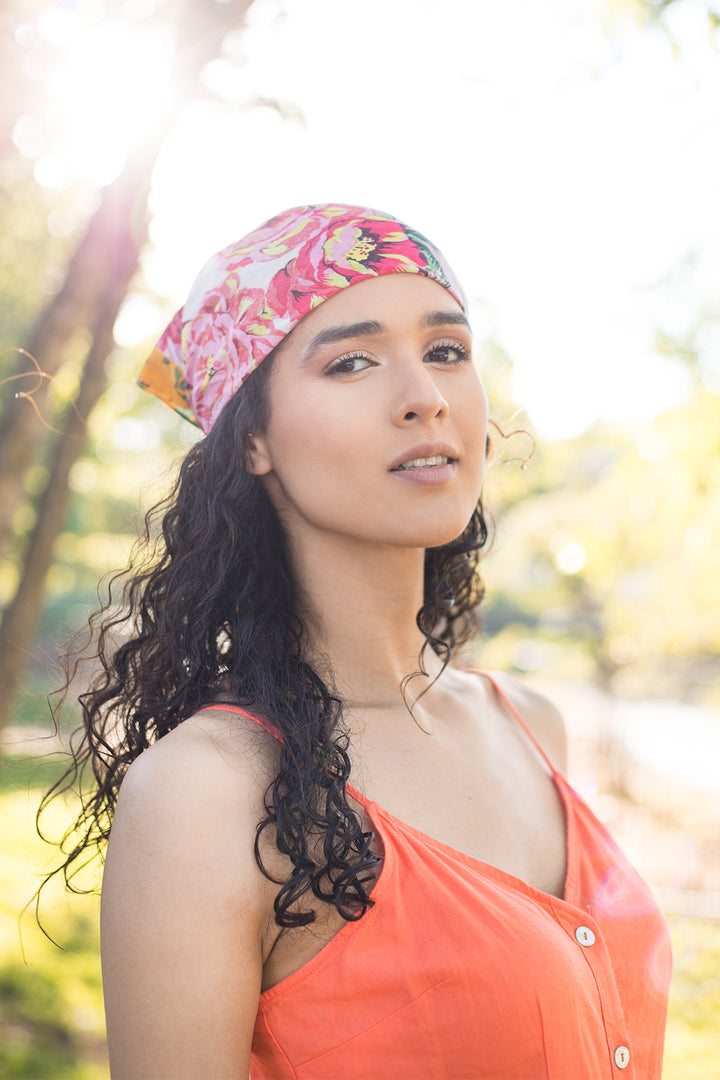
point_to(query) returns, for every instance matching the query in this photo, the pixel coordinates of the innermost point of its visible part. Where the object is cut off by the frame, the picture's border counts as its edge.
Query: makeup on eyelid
(336, 366)
(372, 327)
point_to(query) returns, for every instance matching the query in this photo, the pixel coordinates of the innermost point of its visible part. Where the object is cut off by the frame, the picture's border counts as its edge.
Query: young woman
(454, 912)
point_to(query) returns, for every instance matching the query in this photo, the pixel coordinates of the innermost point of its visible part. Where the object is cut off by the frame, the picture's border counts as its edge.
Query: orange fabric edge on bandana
(161, 377)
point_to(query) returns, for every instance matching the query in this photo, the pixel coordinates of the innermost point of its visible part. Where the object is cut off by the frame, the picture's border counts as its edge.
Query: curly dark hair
(208, 616)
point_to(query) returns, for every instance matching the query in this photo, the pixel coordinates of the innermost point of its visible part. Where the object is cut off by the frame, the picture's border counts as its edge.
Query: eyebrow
(443, 318)
(333, 334)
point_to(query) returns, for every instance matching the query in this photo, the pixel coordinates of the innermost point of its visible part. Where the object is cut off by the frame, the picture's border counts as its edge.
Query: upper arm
(184, 908)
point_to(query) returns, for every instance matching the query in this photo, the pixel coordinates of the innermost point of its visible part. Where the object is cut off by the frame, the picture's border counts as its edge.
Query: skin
(183, 979)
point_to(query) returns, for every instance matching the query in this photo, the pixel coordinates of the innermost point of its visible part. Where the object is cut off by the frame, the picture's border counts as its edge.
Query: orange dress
(461, 971)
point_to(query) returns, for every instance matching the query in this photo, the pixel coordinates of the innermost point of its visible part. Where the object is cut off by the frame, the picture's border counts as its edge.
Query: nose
(418, 396)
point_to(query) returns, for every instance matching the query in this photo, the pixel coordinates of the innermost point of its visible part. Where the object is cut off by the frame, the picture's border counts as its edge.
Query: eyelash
(462, 353)
(463, 356)
(336, 369)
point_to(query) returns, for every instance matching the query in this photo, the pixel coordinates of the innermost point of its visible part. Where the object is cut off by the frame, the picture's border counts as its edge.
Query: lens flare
(108, 86)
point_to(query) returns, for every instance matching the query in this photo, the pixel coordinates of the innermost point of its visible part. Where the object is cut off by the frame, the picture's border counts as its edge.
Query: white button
(622, 1057)
(585, 936)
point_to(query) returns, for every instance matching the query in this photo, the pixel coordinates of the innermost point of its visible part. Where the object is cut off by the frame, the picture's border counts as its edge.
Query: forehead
(393, 299)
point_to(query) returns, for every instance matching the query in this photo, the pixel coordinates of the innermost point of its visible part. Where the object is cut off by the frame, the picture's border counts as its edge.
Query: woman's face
(378, 418)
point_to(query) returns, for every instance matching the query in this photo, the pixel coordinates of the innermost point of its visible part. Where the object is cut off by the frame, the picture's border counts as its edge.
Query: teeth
(424, 462)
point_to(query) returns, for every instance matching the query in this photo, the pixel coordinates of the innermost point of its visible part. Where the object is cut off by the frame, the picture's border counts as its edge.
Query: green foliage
(23, 772)
(51, 1015)
(607, 550)
(36, 1023)
(30, 709)
(693, 1038)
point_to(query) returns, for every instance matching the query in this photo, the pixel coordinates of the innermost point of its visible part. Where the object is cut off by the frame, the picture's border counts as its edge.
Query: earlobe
(257, 455)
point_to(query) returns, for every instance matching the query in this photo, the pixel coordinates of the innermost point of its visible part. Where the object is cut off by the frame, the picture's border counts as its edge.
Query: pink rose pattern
(252, 293)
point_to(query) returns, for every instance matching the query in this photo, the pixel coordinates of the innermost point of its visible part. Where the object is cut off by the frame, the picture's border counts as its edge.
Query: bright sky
(569, 175)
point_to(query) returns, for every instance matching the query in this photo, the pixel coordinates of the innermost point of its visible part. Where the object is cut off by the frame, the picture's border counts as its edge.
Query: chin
(446, 539)
(435, 538)
(443, 531)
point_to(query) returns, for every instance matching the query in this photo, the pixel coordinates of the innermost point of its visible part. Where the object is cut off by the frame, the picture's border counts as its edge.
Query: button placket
(590, 940)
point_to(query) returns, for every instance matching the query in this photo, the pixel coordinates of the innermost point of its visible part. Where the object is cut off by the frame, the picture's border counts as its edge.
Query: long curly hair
(207, 616)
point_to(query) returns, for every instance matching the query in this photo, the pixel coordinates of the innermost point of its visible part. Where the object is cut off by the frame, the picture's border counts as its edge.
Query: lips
(425, 456)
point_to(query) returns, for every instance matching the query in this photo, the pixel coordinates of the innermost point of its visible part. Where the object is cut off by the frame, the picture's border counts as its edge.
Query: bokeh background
(565, 156)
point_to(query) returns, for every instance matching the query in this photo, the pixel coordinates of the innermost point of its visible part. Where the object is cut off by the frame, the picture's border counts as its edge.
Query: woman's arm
(185, 913)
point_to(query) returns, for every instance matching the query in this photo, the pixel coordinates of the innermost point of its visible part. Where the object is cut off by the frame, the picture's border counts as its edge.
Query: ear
(257, 455)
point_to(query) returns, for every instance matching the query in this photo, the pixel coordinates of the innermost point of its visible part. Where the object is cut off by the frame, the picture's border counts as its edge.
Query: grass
(692, 1046)
(30, 705)
(51, 1014)
(23, 772)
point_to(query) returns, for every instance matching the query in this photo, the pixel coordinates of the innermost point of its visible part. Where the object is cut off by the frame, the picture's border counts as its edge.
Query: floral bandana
(251, 294)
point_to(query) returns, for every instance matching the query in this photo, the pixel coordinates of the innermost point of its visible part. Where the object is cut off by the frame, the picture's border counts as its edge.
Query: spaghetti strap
(264, 724)
(503, 696)
(272, 730)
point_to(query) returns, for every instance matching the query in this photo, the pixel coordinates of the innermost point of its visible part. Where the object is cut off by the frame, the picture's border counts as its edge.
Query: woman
(455, 913)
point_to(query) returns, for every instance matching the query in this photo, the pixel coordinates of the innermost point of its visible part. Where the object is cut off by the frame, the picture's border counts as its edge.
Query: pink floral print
(251, 294)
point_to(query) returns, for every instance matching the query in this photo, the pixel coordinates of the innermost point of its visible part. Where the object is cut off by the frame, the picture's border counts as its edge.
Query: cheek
(306, 437)
(316, 457)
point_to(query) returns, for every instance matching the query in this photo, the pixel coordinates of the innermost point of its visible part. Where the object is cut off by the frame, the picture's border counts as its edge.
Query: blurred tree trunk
(21, 616)
(98, 276)
(92, 271)
(90, 276)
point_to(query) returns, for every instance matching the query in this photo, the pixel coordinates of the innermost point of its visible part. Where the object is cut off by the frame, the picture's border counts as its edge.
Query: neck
(360, 604)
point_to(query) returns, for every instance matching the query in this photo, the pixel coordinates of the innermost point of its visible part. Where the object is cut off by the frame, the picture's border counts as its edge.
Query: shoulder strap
(503, 696)
(272, 730)
(264, 724)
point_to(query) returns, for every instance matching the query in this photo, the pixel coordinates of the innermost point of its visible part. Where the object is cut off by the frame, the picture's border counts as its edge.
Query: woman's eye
(349, 365)
(447, 354)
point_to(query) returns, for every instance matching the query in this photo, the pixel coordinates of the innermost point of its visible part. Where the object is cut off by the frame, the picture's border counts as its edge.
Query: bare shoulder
(541, 715)
(208, 767)
(188, 808)
(215, 750)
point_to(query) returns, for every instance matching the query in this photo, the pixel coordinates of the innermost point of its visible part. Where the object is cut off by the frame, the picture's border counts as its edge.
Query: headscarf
(251, 294)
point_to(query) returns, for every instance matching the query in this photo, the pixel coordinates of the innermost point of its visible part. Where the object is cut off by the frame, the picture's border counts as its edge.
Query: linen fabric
(462, 971)
(251, 294)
